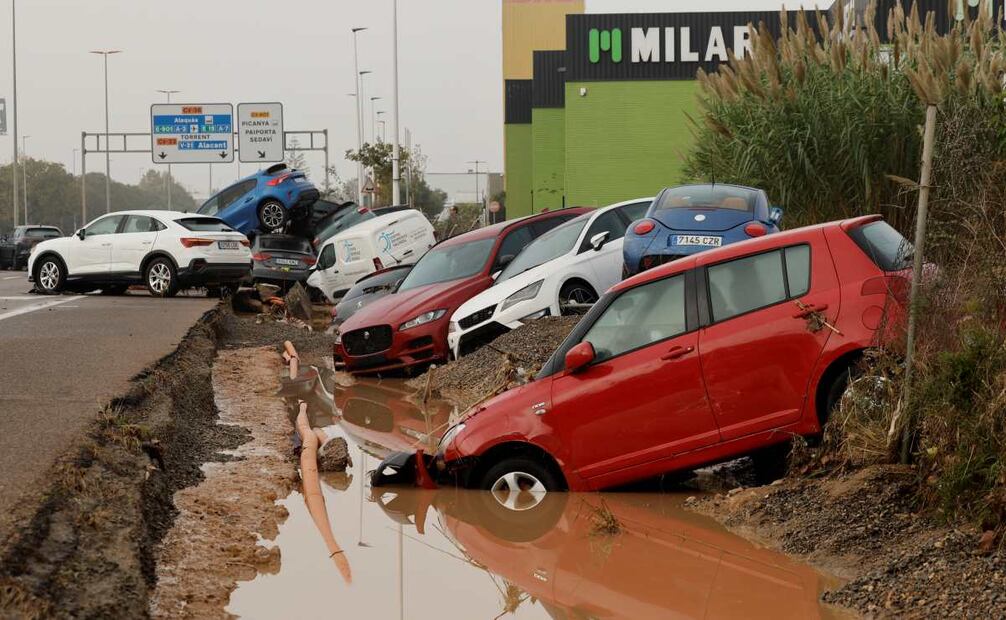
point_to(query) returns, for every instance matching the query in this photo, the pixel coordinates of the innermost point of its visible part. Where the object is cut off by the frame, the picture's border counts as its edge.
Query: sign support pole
(396, 173)
(83, 177)
(13, 39)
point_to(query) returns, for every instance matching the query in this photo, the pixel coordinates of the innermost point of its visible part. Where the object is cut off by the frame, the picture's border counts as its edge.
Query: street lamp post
(168, 93)
(384, 130)
(373, 117)
(24, 173)
(377, 120)
(477, 199)
(13, 39)
(108, 159)
(395, 165)
(357, 76)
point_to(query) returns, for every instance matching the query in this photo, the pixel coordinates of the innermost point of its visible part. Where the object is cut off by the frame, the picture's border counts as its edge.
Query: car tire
(833, 397)
(115, 290)
(272, 216)
(161, 277)
(523, 516)
(50, 275)
(575, 292)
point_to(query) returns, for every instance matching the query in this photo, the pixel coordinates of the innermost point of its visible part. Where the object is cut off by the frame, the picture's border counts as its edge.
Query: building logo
(605, 41)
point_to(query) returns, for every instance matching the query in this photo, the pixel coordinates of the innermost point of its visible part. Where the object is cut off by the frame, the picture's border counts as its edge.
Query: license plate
(287, 261)
(228, 245)
(703, 240)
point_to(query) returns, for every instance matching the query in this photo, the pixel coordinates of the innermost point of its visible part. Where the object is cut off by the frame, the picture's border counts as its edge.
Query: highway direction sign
(260, 132)
(192, 133)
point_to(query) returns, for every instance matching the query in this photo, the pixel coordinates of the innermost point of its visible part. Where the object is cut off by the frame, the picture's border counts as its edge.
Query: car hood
(499, 291)
(397, 308)
(709, 220)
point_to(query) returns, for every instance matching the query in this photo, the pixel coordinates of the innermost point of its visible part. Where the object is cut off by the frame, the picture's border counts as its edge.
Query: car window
(798, 270)
(284, 243)
(746, 284)
(231, 195)
(708, 196)
(635, 211)
(210, 207)
(606, 222)
(449, 262)
(342, 220)
(327, 257)
(204, 224)
(550, 246)
(42, 233)
(884, 245)
(138, 224)
(104, 226)
(638, 317)
(515, 241)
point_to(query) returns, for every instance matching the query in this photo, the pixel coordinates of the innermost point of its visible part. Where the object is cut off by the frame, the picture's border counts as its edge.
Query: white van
(387, 240)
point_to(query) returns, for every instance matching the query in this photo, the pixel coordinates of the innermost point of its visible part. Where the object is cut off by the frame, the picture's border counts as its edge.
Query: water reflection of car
(663, 562)
(692, 218)
(263, 202)
(382, 418)
(367, 290)
(281, 259)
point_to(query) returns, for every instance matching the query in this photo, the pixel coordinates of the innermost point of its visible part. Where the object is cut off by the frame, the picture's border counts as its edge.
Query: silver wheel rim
(518, 491)
(576, 295)
(48, 275)
(159, 278)
(272, 216)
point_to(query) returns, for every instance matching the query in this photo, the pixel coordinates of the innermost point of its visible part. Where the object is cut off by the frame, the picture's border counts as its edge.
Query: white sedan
(562, 272)
(165, 250)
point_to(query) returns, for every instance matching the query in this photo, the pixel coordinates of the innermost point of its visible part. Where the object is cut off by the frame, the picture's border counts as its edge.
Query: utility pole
(24, 173)
(373, 119)
(376, 121)
(168, 94)
(477, 197)
(108, 158)
(13, 39)
(357, 76)
(396, 173)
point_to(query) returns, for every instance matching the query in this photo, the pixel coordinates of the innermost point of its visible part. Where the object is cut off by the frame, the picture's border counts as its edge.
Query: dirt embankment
(866, 527)
(215, 541)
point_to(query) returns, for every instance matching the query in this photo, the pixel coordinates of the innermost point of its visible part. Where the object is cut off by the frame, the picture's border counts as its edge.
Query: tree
(295, 157)
(377, 157)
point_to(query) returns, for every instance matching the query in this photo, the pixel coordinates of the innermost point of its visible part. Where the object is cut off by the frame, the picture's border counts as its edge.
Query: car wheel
(524, 499)
(50, 275)
(272, 216)
(161, 278)
(573, 295)
(118, 289)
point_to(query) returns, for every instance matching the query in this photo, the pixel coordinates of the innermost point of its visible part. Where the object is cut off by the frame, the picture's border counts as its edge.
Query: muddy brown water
(451, 553)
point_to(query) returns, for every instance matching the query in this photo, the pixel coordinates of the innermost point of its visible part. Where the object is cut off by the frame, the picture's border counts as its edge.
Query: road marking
(21, 298)
(40, 306)
(13, 277)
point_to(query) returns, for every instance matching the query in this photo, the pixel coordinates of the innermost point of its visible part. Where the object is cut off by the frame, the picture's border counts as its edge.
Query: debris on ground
(298, 303)
(866, 526)
(603, 522)
(510, 359)
(296, 308)
(244, 331)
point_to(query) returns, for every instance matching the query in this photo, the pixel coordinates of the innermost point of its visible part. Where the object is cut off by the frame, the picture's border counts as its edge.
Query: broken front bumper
(422, 470)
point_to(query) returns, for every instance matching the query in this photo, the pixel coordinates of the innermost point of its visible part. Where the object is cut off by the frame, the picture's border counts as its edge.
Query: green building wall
(548, 129)
(625, 139)
(518, 175)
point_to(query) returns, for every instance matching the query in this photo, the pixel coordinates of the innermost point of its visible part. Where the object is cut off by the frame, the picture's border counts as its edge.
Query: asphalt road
(61, 358)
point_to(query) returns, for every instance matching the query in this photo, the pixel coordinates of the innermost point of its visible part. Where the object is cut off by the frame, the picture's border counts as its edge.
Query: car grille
(474, 319)
(367, 341)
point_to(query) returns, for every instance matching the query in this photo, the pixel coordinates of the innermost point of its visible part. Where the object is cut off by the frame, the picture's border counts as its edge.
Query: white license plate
(703, 240)
(228, 245)
(287, 261)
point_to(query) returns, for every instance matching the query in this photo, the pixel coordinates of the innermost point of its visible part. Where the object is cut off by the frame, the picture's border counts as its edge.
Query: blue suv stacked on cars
(264, 202)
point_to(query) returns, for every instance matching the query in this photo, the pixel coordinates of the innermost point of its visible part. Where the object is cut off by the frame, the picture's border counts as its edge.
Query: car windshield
(385, 280)
(204, 224)
(550, 246)
(42, 233)
(449, 262)
(708, 197)
(284, 243)
(342, 220)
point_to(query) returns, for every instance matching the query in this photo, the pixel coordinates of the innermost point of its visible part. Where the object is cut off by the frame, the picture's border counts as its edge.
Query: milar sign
(668, 44)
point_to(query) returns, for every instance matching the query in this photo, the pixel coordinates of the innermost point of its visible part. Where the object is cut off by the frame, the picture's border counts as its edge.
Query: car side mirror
(80, 234)
(496, 274)
(597, 241)
(579, 356)
(775, 215)
(503, 261)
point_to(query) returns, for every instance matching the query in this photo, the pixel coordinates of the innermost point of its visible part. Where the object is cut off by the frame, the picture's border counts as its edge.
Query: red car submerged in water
(729, 352)
(409, 327)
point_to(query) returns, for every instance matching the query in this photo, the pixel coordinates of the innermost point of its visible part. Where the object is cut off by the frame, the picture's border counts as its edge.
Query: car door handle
(675, 352)
(806, 311)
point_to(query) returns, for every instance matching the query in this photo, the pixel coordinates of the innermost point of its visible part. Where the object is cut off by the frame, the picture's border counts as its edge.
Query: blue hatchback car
(690, 218)
(264, 202)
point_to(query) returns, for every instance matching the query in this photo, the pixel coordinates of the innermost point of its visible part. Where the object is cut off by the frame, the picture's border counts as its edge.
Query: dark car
(281, 259)
(265, 201)
(368, 289)
(15, 250)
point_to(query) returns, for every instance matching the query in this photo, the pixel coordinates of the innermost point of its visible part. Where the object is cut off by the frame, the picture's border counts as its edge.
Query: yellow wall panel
(530, 25)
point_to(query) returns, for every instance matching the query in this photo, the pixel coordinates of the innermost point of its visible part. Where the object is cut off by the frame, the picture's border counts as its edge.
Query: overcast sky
(298, 52)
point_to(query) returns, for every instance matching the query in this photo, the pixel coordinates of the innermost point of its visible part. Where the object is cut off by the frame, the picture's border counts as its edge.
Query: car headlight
(449, 436)
(528, 292)
(422, 319)
(338, 337)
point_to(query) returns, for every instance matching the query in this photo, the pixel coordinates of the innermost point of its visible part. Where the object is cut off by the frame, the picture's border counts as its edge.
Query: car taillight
(897, 286)
(378, 265)
(245, 243)
(643, 227)
(754, 229)
(308, 260)
(276, 181)
(261, 256)
(191, 242)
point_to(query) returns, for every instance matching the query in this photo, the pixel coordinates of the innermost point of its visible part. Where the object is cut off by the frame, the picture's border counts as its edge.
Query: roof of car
(163, 214)
(496, 230)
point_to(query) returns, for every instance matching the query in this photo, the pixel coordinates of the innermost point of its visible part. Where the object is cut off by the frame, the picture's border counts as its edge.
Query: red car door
(642, 399)
(762, 344)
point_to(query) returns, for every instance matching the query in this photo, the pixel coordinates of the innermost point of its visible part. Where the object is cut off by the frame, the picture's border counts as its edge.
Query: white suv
(165, 250)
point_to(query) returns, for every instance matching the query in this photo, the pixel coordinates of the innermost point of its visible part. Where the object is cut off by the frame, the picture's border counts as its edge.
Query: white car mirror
(496, 274)
(597, 241)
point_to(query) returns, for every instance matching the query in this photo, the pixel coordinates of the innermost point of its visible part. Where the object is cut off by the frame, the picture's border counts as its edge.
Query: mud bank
(216, 540)
(866, 527)
(88, 549)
